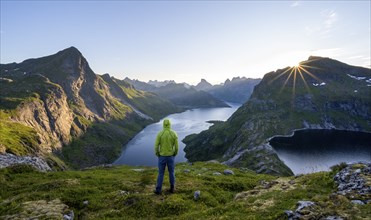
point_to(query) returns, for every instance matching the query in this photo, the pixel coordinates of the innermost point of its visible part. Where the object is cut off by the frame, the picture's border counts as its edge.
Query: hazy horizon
(186, 41)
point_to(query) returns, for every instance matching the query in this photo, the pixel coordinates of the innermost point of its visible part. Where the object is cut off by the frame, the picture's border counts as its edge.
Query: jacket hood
(166, 123)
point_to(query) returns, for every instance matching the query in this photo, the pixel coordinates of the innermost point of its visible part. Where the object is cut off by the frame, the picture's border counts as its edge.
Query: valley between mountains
(62, 125)
(58, 109)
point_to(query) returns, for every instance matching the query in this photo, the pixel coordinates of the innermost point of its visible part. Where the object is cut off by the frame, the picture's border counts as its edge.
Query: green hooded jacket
(166, 141)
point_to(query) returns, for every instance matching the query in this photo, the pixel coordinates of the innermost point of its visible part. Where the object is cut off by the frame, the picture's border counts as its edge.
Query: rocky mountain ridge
(320, 94)
(180, 94)
(58, 105)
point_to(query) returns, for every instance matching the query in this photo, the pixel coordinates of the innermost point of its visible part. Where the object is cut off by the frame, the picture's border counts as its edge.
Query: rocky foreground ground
(204, 191)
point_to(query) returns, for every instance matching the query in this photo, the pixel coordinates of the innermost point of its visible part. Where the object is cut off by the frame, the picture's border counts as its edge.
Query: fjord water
(140, 150)
(316, 150)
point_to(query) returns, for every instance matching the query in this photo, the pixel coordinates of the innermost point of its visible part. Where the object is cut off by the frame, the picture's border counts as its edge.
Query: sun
(296, 65)
(297, 71)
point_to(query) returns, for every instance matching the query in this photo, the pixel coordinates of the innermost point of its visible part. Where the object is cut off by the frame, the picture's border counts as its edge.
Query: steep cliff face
(59, 105)
(50, 116)
(321, 93)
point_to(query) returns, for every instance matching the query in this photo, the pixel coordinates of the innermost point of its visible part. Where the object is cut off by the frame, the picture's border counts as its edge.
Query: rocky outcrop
(42, 209)
(353, 188)
(36, 162)
(354, 182)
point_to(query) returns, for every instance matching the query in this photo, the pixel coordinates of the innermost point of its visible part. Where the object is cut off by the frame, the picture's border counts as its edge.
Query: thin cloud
(295, 4)
(325, 28)
(330, 17)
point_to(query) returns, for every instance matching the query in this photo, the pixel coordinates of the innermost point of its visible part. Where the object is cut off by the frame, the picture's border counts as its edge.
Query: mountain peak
(70, 51)
(203, 85)
(72, 48)
(312, 58)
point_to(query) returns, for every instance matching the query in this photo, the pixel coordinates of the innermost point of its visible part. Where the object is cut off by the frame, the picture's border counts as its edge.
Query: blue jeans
(162, 163)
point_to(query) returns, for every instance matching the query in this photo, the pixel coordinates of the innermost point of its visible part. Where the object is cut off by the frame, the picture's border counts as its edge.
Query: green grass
(100, 144)
(121, 192)
(17, 138)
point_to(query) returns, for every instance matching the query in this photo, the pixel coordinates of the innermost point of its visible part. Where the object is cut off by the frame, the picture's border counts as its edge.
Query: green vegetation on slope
(16, 138)
(147, 102)
(127, 192)
(101, 143)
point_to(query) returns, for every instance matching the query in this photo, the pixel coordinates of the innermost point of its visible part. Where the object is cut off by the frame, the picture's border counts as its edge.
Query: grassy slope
(102, 143)
(221, 196)
(16, 138)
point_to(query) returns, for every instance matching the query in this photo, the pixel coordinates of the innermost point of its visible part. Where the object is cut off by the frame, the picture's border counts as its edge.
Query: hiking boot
(172, 189)
(157, 192)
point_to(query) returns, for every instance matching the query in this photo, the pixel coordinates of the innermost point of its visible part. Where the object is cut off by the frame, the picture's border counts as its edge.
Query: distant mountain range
(57, 105)
(237, 90)
(180, 94)
(321, 93)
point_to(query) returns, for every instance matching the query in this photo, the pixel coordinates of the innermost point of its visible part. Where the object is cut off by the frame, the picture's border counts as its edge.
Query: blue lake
(309, 151)
(140, 150)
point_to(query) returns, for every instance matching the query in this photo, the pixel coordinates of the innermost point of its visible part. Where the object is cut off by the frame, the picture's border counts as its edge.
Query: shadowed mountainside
(320, 94)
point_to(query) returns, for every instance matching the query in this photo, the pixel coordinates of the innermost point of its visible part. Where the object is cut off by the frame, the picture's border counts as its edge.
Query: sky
(187, 40)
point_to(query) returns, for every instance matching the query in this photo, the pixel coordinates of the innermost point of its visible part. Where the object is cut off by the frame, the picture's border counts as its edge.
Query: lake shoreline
(314, 150)
(139, 150)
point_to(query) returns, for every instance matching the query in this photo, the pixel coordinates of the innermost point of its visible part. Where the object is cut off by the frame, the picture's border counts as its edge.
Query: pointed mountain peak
(57, 67)
(204, 82)
(203, 85)
(71, 52)
(72, 48)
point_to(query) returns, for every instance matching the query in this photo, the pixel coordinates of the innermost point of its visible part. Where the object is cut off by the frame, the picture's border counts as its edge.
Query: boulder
(228, 172)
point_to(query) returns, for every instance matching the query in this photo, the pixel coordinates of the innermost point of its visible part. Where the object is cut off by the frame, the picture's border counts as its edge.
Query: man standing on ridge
(166, 148)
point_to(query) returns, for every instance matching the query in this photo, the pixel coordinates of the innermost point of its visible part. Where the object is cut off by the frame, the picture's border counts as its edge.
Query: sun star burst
(301, 69)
